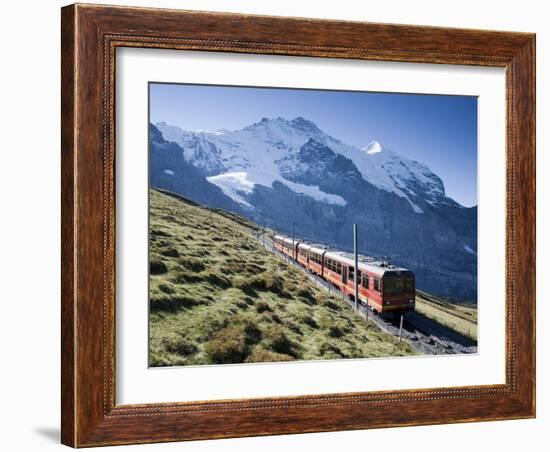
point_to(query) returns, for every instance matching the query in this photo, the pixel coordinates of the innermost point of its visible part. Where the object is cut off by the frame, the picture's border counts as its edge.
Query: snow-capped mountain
(256, 151)
(279, 171)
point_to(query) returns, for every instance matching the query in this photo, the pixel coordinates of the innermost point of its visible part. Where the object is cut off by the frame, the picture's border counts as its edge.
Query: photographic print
(300, 224)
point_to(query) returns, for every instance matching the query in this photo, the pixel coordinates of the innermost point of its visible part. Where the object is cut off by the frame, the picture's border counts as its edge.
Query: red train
(382, 287)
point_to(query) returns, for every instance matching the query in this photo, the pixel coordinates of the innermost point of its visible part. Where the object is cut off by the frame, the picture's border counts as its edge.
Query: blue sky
(437, 130)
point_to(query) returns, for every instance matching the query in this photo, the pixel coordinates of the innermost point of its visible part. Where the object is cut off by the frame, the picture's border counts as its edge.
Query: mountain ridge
(279, 171)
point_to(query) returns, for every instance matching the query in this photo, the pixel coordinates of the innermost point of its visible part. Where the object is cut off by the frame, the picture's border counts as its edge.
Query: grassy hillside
(460, 318)
(217, 296)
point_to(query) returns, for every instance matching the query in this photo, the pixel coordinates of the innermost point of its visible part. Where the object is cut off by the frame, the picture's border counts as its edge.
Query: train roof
(367, 263)
(285, 239)
(318, 248)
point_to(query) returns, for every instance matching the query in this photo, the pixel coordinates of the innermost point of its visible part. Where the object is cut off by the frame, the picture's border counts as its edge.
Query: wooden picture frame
(90, 36)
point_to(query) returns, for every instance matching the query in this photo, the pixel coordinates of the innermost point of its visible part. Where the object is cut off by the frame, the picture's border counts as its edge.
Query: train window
(409, 284)
(377, 284)
(338, 268)
(351, 271)
(366, 281)
(393, 285)
(359, 276)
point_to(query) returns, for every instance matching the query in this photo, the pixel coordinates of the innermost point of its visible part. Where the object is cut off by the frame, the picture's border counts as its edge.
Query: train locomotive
(384, 288)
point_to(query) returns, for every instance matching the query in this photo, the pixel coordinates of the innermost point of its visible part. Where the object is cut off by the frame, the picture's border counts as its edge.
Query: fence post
(400, 327)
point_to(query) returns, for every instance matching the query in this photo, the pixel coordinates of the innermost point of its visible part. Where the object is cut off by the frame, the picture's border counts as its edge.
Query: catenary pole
(356, 264)
(293, 244)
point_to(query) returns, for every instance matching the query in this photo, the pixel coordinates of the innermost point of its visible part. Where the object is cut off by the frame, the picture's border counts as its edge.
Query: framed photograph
(281, 225)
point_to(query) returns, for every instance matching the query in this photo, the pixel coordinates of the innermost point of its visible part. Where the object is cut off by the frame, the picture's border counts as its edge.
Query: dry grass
(460, 318)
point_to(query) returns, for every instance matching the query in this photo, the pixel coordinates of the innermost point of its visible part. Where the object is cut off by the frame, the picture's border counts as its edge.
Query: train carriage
(302, 255)
(278, 242)
(286, 246)
(315, 262)
(382, 287)
(332, 270)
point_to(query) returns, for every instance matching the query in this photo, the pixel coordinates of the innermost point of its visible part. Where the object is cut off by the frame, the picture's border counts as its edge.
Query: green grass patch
(218, 297)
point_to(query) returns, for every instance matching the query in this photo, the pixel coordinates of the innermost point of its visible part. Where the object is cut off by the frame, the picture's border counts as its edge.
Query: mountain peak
(374, 147)
(284, 128)
(299, 120)
(304, 124)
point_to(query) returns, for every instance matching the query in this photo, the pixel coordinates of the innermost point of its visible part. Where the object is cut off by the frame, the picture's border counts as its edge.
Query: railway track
(423, 334)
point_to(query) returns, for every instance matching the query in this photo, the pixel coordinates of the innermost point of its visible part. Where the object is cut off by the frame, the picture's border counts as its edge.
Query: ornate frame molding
(90, 37)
